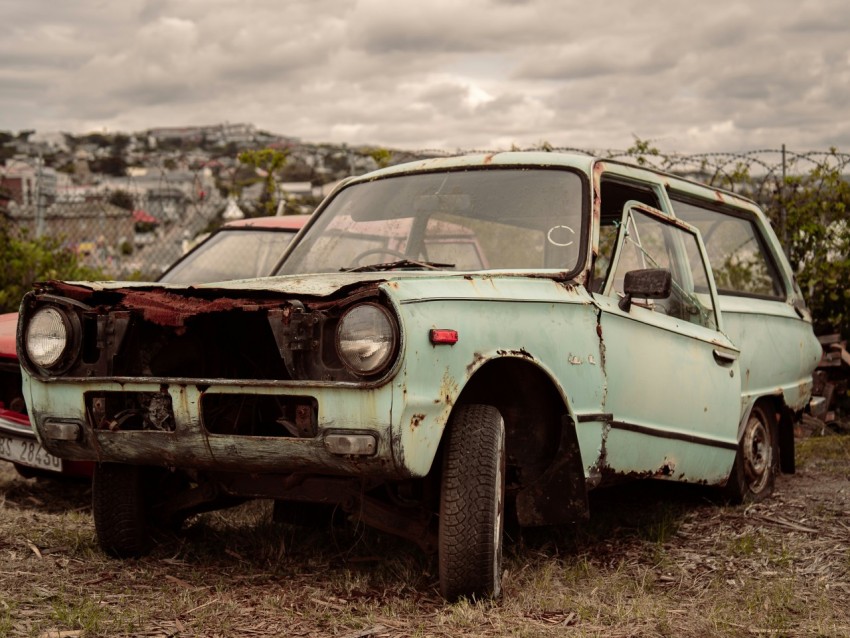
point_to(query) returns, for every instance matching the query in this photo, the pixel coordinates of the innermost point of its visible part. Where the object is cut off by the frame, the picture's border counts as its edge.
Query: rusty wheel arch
(542, 448)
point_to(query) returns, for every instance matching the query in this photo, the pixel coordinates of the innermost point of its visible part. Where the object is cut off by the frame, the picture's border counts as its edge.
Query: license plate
(28, 452)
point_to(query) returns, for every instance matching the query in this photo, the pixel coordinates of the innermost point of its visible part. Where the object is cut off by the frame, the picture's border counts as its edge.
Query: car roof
(286, 222)
(566, 159)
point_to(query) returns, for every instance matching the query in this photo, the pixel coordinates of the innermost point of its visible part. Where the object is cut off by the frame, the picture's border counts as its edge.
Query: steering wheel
(377, 251)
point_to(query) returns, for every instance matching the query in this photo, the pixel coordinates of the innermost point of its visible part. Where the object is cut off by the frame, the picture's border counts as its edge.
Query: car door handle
(725, 358)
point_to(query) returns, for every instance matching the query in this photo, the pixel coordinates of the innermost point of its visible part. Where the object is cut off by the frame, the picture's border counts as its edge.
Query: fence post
(39, 211)
(783, 214)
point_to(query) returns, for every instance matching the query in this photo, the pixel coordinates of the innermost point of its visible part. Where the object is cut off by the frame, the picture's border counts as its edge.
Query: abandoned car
(240, 249)
(449, 343)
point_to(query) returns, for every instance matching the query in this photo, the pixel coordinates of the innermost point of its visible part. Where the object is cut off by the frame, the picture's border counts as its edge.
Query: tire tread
(466, 539)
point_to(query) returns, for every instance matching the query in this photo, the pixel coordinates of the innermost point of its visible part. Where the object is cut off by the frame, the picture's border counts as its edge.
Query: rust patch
(477, 359)
(522, 352)
(416, 421)
(168, 309)
(77, 293)
(667, 469)
(596, 211)
(448, 389)
(601, 351)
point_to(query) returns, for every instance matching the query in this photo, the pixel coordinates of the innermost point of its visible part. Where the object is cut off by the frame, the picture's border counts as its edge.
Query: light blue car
(449, 343)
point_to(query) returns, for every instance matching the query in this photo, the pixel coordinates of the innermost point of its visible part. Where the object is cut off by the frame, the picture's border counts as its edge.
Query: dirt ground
(654, 560)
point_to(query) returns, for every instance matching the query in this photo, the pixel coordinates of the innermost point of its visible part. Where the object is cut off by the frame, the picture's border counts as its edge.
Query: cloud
(479, 74)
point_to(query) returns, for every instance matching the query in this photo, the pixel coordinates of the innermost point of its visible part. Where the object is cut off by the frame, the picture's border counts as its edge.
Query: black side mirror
(650, 283)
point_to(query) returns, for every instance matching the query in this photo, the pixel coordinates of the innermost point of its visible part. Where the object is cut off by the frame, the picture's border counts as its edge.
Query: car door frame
(647, 357)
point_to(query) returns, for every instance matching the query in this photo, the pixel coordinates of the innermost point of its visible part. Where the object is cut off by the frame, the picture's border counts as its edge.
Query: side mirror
(650, 283)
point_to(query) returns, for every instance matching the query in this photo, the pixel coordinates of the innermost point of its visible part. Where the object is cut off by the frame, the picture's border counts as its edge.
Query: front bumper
(67, 428)
(19, 445)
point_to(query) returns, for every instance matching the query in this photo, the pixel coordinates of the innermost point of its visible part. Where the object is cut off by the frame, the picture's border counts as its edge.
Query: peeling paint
(668, 469)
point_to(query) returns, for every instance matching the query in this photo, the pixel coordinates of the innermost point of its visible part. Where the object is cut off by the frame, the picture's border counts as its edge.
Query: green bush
(26, 260)
(817, 240)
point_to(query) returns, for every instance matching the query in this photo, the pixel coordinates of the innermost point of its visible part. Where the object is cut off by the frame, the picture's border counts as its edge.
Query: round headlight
(366, 338)
(47, 337)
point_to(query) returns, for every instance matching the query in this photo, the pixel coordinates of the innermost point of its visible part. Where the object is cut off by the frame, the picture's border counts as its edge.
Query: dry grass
(655, 560)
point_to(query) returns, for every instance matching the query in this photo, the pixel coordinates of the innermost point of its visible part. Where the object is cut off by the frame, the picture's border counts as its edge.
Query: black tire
(120, 509)
(757, 461)
(472, 497)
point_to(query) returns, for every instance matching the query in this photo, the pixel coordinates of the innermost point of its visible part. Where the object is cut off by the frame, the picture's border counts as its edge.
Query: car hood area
(319, 285)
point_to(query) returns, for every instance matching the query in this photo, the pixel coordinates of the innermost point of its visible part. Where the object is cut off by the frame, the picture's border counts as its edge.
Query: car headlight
(48, 337)
(366, 339)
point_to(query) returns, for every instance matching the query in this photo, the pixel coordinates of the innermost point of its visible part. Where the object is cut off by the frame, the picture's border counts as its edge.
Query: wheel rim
(498, 514)
(757, 454)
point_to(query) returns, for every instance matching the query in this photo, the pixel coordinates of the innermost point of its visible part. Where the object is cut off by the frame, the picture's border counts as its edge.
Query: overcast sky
(438, 74)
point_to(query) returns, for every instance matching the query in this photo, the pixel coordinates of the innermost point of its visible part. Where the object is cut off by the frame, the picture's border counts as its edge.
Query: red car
(241, 249)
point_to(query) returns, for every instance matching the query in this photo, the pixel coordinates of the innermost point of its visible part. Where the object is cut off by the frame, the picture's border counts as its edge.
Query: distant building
(24, 182)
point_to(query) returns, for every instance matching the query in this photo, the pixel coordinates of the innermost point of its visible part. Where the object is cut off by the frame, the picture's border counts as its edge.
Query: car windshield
(231, 254)
(462, 220)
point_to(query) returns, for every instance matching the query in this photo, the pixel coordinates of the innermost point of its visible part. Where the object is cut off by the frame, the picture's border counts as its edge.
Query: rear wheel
(757, 461)
(472, 499)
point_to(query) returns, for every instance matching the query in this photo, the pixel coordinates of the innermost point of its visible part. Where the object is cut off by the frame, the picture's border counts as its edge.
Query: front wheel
(472, 497)
(757, 460)
(120, 509)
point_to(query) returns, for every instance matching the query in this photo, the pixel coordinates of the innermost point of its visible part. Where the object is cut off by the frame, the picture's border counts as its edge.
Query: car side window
(741, 263)
(649, 242)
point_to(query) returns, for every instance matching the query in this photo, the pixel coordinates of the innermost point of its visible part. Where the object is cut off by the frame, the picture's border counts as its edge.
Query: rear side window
(739, 257)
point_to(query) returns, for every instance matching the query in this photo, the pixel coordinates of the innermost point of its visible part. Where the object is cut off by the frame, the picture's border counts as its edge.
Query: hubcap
(757, 454)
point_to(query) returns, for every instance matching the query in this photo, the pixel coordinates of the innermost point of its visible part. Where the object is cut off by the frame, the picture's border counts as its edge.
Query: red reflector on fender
(443, 335)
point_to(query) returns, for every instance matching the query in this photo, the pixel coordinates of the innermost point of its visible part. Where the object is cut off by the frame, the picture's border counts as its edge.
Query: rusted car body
(606, 339)
(240, 249)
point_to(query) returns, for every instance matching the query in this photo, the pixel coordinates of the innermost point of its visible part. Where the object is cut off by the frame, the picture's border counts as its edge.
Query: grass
(654, 560)
(85, 614)
(824, 449)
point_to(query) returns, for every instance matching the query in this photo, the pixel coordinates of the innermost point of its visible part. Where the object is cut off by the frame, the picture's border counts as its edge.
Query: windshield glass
(460, 220)
(231, 254)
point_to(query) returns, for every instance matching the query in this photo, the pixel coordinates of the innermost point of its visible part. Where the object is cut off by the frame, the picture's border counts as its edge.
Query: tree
(382, 156)
(122, 199)
(266, 162)
(640, 149)
(111, 165)
(817, 229)
(24, 261)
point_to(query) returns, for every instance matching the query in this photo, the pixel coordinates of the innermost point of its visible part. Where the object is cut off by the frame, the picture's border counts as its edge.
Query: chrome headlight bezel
(65, 330)
(367, 351)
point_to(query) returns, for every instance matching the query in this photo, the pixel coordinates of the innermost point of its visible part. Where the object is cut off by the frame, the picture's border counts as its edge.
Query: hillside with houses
(129, 204)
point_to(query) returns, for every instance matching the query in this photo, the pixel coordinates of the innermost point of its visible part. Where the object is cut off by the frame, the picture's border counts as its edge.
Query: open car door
(673, 381)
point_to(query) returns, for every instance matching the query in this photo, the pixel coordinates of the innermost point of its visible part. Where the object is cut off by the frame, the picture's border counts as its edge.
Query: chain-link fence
(134, 227)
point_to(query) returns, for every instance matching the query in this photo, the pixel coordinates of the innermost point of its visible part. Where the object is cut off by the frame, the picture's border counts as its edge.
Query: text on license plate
(28, 452)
